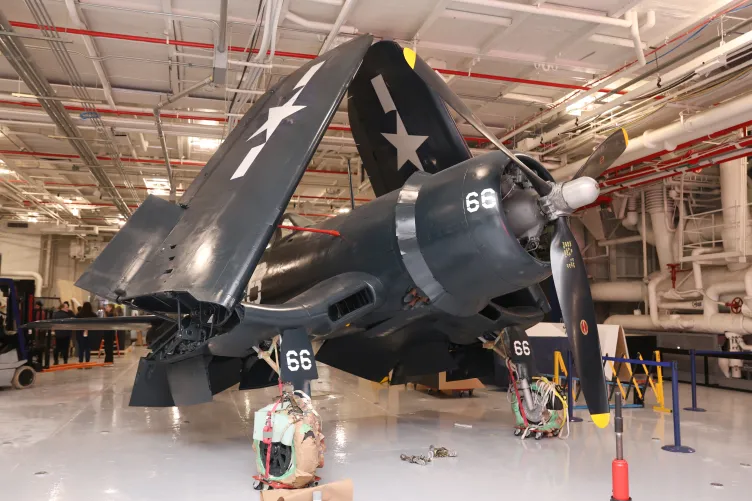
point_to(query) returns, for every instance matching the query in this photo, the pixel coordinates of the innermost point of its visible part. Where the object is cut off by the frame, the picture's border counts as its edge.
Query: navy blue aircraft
(447, 257)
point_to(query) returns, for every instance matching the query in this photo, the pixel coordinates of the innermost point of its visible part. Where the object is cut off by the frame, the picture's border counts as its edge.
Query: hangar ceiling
(530, 69)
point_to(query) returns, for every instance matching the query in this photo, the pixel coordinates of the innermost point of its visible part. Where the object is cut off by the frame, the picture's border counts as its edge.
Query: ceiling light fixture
(204, 143)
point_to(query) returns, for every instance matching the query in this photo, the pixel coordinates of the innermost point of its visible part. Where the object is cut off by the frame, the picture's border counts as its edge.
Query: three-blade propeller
(568, 268)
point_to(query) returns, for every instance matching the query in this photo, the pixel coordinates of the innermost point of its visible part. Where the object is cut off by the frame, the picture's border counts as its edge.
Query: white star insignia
(406, 144)
(275, 117)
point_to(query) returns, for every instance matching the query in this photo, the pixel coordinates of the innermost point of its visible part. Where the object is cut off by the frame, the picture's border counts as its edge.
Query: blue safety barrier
(674, 366)
(693, 354)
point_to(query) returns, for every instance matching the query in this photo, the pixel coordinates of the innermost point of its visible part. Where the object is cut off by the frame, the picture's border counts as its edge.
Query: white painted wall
(65, 271)
(20, 252)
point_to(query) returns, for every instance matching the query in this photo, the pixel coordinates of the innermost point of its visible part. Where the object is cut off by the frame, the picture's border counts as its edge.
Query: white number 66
(521, 348)
(295, 361)
(487, 200)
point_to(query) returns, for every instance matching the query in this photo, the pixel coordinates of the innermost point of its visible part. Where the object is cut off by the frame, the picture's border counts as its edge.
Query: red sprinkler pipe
(295, 55)
(333, 233)
(140, 160)
(181, 116)
(523, 81)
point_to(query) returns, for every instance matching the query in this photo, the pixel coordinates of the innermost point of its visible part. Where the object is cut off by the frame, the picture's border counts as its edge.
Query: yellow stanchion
(634, 382)
(657, 386)
(559, 366)
(661, 407)
(618, 382)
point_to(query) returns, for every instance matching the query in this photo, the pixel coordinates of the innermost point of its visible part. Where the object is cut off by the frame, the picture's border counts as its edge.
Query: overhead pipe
(720, 323)
(91, 185)
(618, 41)
(680, 305)
(666, 78)
(337, 26)
(315, 25)
(619, 241)
(669, 137)
(634, 29)
(618, 291)
(219, 66)
(91, 49)
(713, 293)
(301, 55)
(479, 18)
(550, 12)
(137, 160)
(160, 132)
(20, 59)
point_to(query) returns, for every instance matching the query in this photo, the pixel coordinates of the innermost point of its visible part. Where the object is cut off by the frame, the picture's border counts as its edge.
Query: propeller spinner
(558, 200)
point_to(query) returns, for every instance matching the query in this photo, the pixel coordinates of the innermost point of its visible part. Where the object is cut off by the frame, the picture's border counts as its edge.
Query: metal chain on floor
(433, 452)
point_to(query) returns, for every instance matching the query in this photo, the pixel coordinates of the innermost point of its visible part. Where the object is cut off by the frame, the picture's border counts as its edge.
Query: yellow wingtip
(601, 420)
(626, 136)
(410, 56)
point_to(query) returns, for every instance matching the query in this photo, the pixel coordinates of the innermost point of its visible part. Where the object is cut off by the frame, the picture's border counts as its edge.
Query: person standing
(62, 337)
(42, 339)
(109, 337)
(82, 337)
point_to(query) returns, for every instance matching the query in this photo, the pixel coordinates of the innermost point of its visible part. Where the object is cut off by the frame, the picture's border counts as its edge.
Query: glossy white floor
(73, 437)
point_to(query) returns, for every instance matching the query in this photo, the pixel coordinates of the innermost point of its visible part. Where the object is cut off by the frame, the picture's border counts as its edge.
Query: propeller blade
(435, 82)
(573, 289)
(604, 155)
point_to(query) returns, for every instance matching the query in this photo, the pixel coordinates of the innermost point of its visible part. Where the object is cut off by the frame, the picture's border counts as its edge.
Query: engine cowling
(456, 239)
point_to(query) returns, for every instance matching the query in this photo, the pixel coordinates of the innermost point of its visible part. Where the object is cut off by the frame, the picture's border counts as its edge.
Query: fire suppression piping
(141, 160)
(293, 55)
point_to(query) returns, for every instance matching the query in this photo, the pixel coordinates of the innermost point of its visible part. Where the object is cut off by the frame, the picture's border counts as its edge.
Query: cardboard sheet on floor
(341, 490)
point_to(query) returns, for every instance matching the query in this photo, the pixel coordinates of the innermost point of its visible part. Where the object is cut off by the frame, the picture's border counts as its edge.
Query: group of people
(83, 338)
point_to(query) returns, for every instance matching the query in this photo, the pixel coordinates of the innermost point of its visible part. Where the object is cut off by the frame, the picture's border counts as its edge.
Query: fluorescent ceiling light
(158, 186)
(577, 108)
(204, 143)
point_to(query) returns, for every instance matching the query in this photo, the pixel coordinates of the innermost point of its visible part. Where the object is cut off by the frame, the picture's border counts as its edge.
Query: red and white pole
(619, 467)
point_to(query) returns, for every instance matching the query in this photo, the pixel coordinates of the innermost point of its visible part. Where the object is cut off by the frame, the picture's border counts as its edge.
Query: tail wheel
(24, 377)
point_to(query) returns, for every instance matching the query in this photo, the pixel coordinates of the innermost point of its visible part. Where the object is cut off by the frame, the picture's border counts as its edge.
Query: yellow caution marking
(626, 136)
(410, 56)
(601, 420)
